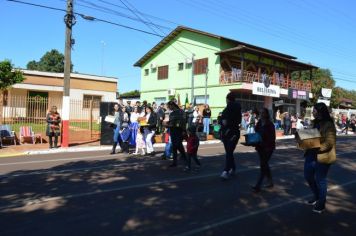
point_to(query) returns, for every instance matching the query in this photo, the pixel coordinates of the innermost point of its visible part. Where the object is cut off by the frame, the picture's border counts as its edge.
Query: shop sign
(298, 94)
(265, 89)
(326, 101)
(326, 93)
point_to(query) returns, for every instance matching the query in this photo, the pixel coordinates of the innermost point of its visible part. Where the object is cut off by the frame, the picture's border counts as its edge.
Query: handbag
(308, 138)
(252, 139)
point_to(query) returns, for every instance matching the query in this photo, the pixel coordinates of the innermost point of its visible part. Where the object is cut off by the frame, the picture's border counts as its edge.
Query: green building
(200, 65)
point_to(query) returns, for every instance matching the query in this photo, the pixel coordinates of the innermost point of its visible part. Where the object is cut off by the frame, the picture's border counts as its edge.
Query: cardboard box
(308, 138)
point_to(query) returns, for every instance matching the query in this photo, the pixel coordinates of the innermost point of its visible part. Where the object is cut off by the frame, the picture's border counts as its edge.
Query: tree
(52, 61)
(131, 94)
(8, 77)
(321, 78)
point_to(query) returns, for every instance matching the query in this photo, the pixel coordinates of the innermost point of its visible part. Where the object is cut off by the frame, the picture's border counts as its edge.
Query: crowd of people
(135, 126)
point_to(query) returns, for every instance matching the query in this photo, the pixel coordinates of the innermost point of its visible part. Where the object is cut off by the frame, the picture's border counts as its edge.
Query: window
(146, 72)
(160, 100)
(200, 99)
(180, 66)
(87, 98)
(162, 72)
(200, 66)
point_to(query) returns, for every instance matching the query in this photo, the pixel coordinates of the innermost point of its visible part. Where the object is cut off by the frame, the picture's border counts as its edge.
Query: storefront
(260, 77)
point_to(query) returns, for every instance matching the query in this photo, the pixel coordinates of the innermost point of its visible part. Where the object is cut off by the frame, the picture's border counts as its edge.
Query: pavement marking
(11, 155)
(101, 156)
(116, 165)
(257, 212)
(129, 187)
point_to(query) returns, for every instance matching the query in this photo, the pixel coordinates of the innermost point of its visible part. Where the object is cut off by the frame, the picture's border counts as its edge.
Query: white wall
(106, 96)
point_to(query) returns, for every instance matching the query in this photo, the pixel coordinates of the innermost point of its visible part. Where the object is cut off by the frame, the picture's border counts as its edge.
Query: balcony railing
(228, 77)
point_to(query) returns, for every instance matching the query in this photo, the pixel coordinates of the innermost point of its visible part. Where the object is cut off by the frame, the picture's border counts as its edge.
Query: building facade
(46, 88)
(205, 67)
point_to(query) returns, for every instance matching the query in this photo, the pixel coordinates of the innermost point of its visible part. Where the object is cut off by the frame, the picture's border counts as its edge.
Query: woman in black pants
(266, 129)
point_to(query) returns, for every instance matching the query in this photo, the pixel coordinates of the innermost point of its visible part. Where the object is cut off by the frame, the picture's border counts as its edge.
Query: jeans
(206, 122)
(230, 145)
(168, 149)
(315, 174)
(265, 156)
(250, 129)
(194, 157)
(177, 145)
(286, 129)
(117, 137)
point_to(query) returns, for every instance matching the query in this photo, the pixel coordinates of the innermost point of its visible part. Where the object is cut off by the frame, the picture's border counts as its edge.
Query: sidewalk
(35, 149)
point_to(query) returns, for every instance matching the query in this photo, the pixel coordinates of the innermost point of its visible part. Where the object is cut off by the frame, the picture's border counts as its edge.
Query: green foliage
(8, 76)
(130, 94)
(339, 93)
(321, 78)
(52, 61)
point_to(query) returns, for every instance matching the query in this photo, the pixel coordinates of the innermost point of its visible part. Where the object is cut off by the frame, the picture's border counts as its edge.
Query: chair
(26, 132)
(7, 133)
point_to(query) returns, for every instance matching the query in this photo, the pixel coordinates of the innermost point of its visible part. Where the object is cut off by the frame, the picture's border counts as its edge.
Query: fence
(31, 111)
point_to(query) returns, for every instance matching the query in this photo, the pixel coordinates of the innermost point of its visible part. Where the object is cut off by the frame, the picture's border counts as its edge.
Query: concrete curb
(106, 148)
(96, 148)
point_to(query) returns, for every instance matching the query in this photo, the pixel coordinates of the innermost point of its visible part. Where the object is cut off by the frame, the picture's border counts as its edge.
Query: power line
(273, 31)
(128, 27)
(110, 11)
(149, 26)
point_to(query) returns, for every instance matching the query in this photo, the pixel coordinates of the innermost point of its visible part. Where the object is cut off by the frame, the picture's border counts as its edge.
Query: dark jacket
(206, 113)
(231, 120)
(152, 122)
(268, 135)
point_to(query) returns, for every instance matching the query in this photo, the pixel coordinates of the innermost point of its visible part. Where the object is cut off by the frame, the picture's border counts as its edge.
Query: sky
(321, 32)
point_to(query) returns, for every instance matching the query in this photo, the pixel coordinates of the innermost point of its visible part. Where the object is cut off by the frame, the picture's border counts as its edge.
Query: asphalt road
(94, 193)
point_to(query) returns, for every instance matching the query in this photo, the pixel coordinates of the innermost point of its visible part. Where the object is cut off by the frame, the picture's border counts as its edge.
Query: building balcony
(236, 76)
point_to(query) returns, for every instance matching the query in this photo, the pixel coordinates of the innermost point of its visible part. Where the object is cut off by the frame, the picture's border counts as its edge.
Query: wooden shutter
(162, 72)
(200, 66)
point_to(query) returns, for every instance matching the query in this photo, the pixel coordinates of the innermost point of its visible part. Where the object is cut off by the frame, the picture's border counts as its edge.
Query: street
(94, 193)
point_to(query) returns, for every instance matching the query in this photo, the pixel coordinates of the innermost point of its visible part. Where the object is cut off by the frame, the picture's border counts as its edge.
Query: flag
(186, 100)
(178, 100)
(195, 101)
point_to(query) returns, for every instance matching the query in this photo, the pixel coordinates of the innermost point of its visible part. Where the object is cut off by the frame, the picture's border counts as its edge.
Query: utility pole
(192, 89)
(206, 84)
(69, 20)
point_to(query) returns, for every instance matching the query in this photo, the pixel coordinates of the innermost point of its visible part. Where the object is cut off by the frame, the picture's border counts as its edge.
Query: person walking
(160, 117)
(150, 129)
(318, 161)
(266, 129)
(192, 148)
(293, 120)
(176, 125)
(53, 130)
(287, 123)
(230, 133)
(134, 125)
(278, 119)
(140, 142)
(251, 123)
(206, 119)
(116, 127)
(196, 116)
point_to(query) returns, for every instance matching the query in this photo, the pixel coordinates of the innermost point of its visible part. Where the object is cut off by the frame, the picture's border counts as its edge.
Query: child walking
(192, 148)
(140, 142)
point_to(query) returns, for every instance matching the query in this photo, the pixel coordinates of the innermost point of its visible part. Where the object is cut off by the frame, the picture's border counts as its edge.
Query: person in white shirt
(196, 115)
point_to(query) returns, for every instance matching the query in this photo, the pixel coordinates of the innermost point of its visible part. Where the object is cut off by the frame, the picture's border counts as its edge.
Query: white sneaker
(232, 172)
(224, 175)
